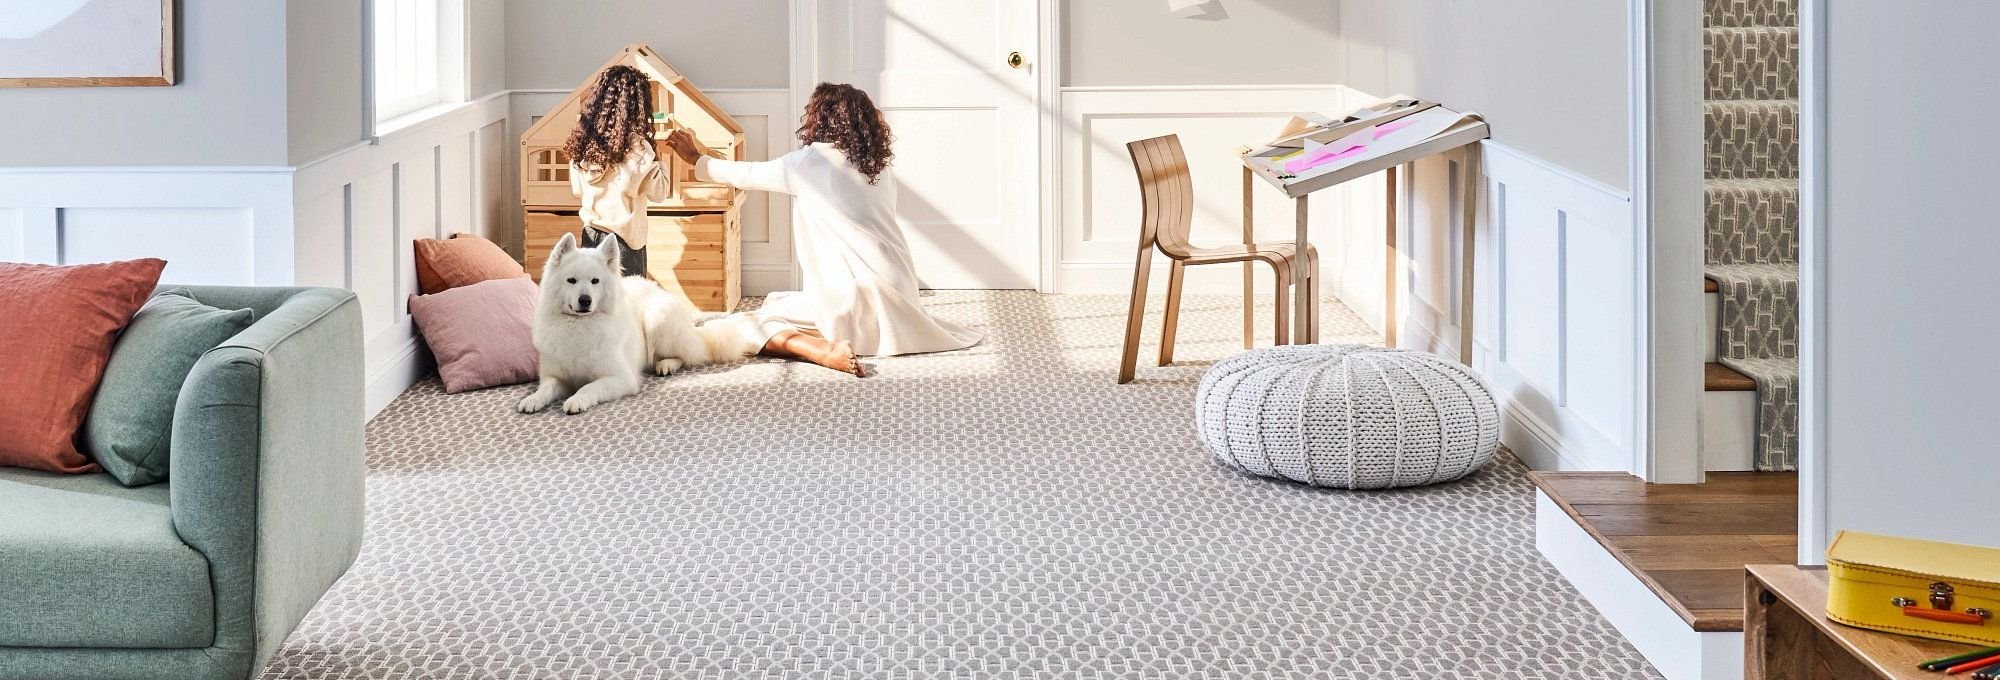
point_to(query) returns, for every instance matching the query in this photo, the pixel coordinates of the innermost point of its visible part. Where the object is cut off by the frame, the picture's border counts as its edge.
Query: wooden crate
(695, 254)
(703, 251)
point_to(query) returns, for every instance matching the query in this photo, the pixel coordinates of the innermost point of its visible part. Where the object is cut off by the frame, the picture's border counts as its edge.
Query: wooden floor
(1687, 542)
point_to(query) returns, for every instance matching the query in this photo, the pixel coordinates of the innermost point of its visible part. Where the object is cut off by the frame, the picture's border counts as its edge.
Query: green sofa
(201, 576)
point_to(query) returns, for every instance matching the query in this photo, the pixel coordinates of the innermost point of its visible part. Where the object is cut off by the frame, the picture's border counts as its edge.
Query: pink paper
(1315, 160)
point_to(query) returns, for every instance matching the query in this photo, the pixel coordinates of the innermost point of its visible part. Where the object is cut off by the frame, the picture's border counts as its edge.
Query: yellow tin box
(1944, 591)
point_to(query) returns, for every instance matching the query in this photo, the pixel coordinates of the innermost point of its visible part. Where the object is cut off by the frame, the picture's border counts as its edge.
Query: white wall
(1907, 317)
(739, 44)
(357, 212)
(1551, 76)
(1235, 42)
(1556, 244)
(227, 110)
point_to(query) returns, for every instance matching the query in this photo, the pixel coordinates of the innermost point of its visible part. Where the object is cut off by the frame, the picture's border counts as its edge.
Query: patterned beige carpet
(1000, 512)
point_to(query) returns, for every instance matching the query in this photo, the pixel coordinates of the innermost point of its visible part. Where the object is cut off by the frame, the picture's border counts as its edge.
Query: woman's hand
(684, 145)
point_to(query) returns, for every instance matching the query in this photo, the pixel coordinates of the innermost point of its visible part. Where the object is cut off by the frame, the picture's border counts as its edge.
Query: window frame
(440, 83)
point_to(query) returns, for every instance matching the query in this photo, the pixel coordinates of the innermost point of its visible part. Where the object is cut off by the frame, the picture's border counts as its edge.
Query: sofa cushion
(57, 325)
(86, 562)
(131, 418)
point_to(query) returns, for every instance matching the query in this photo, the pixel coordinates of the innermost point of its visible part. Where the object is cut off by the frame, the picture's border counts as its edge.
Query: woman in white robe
(860, 287)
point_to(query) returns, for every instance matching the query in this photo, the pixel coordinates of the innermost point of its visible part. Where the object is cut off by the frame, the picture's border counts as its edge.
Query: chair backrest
(1167, 192)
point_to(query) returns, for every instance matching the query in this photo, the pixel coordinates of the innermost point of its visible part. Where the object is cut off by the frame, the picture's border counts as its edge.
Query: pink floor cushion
(482, 334)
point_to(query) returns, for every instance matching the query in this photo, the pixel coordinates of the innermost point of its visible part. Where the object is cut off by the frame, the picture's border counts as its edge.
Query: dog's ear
(614, 255)
(563, 247)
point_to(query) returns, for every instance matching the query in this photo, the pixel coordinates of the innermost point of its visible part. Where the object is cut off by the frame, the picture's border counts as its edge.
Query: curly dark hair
(617, 118)
(844, 116)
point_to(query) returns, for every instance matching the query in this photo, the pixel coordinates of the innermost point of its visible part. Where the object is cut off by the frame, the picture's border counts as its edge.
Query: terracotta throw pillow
(483, 334)
(462, 260)
(57, 325)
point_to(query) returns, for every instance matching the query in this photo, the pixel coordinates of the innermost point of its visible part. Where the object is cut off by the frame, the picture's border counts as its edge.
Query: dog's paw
(668, 365)
(574, 405)
(531, 404)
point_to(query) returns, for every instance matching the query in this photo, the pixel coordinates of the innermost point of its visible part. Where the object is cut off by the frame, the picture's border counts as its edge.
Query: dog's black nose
(583, 303)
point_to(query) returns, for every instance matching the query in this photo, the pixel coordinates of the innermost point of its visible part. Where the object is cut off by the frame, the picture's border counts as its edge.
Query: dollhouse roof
(557, 123)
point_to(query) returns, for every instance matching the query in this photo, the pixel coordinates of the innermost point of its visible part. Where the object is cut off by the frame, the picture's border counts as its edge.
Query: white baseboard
(395, 374)
(1674, 648)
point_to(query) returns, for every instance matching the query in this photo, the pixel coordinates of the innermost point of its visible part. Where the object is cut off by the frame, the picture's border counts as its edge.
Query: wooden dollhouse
(694, 244)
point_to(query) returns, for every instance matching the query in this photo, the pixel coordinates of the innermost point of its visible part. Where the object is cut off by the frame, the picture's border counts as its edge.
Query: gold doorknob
(1016, 60)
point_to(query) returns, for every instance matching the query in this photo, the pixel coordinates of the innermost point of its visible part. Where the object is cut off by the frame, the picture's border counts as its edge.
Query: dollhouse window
(549, 165)
(418, 49)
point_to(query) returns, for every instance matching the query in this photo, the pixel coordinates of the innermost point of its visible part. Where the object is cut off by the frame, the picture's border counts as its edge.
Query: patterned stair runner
(1753, 207)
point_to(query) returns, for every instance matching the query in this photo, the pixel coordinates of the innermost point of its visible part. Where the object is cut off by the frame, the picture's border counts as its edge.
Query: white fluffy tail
(671, 333)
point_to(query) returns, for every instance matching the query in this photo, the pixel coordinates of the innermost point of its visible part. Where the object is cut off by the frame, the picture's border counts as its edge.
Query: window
(418, 55)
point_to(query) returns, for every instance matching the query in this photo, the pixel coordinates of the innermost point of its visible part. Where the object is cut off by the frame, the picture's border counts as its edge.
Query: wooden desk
(1464, 136)
(1787, 636)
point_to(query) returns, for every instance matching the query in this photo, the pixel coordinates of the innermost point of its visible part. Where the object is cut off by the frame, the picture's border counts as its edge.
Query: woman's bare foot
(838, 356)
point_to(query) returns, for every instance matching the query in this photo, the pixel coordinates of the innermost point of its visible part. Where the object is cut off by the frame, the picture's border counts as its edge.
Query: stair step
(1752, 220)
(1709, 286)
(1720, 378)
(1752, 63)
(1750, 139)
(1751, 12)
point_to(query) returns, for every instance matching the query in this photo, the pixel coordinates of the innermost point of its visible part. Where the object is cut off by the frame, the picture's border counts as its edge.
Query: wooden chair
(1168, 195)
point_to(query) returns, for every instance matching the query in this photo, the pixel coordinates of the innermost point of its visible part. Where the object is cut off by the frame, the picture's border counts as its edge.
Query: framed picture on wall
(86, 43)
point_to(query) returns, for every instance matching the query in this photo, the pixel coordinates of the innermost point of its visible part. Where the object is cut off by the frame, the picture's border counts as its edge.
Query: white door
(964, 124)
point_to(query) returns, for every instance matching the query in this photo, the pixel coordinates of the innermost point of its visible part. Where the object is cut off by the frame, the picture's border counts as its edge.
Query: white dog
(597, 331)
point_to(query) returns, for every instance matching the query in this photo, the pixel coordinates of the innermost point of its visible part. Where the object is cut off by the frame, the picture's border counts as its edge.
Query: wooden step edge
(1543, 481)
(1709, 286)
(1719, 378)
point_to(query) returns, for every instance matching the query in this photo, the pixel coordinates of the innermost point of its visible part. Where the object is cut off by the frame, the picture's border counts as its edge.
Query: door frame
(1666, 70)
(1044, 61)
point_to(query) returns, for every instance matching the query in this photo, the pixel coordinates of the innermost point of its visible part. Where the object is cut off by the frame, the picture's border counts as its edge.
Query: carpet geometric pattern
(1005, 511)
(1752, 151)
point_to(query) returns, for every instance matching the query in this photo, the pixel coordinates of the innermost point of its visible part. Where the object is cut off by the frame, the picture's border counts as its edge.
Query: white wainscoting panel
(221, 226)
(360, 210)
(768, 130)
(1555, 318)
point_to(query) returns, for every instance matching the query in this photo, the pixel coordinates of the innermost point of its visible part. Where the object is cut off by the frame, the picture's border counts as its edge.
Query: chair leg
(1173, 319)
(1135, 314)
(1281, 312)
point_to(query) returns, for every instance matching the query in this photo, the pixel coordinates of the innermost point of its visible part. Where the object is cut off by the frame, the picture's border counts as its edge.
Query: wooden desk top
(1468, 131)
(1803, 589)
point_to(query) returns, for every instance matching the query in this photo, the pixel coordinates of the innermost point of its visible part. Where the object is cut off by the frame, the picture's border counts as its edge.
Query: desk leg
(1469, 209)
(1389, 317)
(1302, 294)
(1250, 272)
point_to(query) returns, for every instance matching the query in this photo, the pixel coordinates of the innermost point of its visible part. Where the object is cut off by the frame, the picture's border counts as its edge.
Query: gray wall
(1240, 42)
(323, 58)
(486, 47)
(1549, 75)
(228, 109)
(1911, 238)
(736, 44)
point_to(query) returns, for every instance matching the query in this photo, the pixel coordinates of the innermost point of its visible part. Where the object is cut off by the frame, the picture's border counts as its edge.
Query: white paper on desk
(1417, 127)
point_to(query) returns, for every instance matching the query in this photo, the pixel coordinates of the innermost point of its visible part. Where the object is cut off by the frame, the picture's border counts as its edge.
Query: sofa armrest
(266, 478)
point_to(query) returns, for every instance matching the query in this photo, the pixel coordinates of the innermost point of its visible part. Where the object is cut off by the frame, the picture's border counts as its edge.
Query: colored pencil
(1978, 664)
(1987, 673)
(1955, 659)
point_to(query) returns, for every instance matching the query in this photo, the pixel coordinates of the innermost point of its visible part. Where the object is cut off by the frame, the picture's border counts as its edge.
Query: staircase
(1752, 188)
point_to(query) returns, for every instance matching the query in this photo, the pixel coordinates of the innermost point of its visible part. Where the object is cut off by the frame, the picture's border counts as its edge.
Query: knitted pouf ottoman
(1347, 416)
